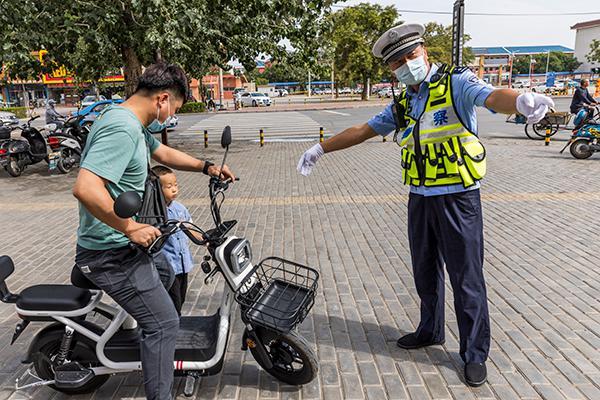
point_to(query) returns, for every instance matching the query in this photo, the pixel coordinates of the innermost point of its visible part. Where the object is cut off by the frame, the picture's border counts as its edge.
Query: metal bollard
(205, 138)
(321, 135)
(262, 138)
(547, 138)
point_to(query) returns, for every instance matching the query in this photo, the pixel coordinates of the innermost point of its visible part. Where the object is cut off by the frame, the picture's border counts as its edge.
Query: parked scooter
(75, 355)
(30, 149)
(5, 135)
(585, 140)
(66, 144)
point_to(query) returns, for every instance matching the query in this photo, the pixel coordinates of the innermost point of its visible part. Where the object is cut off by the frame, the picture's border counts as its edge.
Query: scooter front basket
(279, 294)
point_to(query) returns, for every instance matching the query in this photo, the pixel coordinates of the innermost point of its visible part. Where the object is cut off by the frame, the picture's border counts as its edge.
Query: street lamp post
(531, 64)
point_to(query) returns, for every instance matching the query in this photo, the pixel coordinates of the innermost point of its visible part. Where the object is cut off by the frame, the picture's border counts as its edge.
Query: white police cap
(399, 40)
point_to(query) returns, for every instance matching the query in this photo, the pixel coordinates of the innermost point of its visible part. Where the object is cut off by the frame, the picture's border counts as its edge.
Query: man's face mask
(156, 126)
(412, 72)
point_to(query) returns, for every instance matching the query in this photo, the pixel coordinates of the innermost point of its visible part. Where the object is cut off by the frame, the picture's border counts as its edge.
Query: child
(176, 250)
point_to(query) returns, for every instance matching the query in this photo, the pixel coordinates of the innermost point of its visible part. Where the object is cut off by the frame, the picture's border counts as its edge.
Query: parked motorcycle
(585, 140)
(30, 149)
(74, 355)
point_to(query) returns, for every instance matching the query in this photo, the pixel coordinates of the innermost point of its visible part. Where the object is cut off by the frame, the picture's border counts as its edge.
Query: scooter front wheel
(13, 168)
(580, 149)
(293, 360)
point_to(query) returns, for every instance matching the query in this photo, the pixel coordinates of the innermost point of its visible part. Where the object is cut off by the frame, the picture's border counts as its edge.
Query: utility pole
(547, 63)
(309, 83)
(332, 83)
(458, 23)
(220, 88)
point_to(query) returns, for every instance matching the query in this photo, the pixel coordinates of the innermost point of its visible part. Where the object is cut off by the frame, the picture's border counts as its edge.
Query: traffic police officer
(443, 161)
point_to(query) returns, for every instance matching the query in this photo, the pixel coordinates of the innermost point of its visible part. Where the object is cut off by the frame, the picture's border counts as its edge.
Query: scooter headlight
(240, 256)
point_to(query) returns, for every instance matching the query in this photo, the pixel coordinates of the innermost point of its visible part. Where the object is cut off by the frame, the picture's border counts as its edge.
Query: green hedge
(192, 107)
(20, 112)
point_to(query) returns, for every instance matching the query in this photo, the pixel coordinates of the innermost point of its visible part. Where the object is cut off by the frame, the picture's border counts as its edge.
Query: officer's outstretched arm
(503, 101)
(348, 137)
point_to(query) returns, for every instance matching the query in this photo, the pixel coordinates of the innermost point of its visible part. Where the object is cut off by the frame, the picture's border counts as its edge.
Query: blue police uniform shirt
(177, 247)
(468, 92)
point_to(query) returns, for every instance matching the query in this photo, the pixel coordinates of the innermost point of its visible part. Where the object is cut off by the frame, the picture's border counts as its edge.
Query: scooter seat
(81, 281)
(53, 298)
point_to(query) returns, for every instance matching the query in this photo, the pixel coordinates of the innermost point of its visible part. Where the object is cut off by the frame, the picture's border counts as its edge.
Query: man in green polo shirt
(115, 160)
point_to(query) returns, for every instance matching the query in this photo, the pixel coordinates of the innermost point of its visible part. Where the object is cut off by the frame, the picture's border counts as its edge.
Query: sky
(505, 31)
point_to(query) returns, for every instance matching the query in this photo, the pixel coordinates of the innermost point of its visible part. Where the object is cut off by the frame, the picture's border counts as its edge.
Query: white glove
(309, 159)
(533, 106)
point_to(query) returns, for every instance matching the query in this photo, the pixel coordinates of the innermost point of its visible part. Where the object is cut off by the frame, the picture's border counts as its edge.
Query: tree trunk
(364, 93)
(132, 69)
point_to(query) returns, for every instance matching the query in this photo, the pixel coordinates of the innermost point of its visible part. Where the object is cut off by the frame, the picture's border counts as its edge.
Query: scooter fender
(72, 144)
(54, 332)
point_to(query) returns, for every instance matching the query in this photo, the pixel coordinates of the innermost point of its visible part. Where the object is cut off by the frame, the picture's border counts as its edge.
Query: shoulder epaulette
(460, 70)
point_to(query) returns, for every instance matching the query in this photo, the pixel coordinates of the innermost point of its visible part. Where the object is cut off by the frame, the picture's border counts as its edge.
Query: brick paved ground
(349, 220)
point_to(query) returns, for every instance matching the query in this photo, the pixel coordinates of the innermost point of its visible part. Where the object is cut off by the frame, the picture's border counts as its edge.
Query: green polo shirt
(116, 150)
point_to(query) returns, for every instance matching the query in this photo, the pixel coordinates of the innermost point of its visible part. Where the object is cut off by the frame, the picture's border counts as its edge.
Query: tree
(556, 61)
(93, 38)
(438, 41)
(352, 33)
(594, 54)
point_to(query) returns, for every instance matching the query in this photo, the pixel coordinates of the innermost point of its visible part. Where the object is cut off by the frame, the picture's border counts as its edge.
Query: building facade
(586, 32)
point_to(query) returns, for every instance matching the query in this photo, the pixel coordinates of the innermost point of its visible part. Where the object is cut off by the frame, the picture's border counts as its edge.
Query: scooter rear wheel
(44, 365)
(293, 359)
(63, 166)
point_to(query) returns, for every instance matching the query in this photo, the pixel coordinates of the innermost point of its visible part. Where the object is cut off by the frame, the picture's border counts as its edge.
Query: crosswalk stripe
(283, 125)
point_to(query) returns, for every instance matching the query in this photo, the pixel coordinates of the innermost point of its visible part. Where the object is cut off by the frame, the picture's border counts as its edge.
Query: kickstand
(38, 381)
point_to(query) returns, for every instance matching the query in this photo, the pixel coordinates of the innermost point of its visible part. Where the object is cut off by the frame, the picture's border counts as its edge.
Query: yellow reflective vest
(449, 153)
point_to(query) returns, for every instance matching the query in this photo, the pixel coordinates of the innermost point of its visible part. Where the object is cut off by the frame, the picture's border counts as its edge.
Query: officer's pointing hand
(533, 106)
(309, 159)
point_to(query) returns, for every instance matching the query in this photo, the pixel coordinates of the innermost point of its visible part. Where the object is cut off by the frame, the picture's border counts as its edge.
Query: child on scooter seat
(176, 249)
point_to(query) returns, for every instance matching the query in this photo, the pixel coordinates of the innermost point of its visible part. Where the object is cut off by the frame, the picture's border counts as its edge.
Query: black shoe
(475, 374)
(411, 341)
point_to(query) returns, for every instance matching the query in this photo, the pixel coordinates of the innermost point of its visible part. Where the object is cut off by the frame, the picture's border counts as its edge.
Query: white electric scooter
(74, 355)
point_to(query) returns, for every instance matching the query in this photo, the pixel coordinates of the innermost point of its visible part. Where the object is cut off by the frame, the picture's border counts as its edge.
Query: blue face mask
(156, 126)
(413, 72)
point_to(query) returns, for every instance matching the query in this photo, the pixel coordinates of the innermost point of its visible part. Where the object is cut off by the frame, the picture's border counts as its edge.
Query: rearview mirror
(226, 137)
(127, 204)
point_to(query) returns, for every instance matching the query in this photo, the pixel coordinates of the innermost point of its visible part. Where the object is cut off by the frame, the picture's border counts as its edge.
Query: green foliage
(594, 54)
(260, 81)
(289, 69)
(95, 38)
(192, 107)
(438, 41)
(353, 32)
(557, 62)
(20, 112)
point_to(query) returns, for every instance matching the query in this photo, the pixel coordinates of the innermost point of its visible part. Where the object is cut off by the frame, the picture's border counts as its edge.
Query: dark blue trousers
(449, 229)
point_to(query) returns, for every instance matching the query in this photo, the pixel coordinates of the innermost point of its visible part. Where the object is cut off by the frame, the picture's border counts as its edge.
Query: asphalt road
(335, 121)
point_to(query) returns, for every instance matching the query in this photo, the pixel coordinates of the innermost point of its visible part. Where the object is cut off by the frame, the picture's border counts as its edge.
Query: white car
(89, 100)
(254, 99)
(8, 118)
(385, 92)
(282, 92)
(522, 84)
